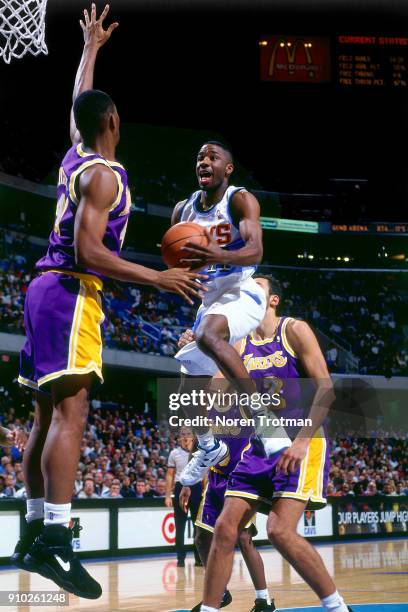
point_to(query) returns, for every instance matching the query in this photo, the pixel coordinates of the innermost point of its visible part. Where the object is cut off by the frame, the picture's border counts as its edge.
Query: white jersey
(219, 221)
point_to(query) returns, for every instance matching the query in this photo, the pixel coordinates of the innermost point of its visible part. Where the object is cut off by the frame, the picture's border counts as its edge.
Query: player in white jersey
(233, 304)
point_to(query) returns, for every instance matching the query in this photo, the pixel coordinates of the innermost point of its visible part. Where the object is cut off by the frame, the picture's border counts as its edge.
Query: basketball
(176, 237)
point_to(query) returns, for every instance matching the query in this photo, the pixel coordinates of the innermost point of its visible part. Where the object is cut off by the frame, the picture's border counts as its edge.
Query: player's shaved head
(91, 109)
(222, 145)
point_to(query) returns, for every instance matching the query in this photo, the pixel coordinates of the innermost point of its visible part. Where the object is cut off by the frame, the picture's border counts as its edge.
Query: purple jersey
(61, 253)
(235, 436)
(274, 365)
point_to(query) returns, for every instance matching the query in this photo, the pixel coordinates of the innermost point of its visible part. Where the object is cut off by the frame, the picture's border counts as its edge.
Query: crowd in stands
(124, 454)
(364, 313)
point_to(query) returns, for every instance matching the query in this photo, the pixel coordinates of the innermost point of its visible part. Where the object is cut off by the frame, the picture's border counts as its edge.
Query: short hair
(223, 145)
(90, 109)
(274, 285)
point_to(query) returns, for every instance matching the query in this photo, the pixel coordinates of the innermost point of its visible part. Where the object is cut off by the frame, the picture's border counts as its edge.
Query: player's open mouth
(205, 177)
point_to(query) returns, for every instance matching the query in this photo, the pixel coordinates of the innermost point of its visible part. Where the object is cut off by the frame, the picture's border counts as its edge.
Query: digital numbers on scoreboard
(371, 61)
(348, 60)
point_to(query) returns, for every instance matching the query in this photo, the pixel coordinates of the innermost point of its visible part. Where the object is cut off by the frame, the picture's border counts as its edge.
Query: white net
(22, 28)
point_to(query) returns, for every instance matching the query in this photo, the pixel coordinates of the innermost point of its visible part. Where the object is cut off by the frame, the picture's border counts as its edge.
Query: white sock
(57, 514)
(206, 440)
(35, 509)
(263, 594)
(208, 609)
(334, 603)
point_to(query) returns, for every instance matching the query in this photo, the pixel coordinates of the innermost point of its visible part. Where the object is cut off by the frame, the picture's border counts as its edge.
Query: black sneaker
(226, 600)
(51, 555)
(261, 605)
(31, 531)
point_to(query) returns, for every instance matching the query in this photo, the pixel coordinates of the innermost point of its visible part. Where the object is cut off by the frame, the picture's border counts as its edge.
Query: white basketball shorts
(244, 306)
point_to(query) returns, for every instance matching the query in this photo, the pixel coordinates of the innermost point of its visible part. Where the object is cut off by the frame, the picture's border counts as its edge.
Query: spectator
(78, 484)
(127, 490)
(9, 486)
(371, 488)
(98, 483)
(160, 489)
(88, 491)
(141, 492)
(114, 492)
(107, 483)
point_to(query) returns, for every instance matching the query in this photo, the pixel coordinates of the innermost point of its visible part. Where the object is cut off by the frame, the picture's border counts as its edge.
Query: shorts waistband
(82, 276)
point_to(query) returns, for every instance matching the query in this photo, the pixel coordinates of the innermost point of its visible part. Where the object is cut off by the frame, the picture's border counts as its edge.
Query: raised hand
(94, 34)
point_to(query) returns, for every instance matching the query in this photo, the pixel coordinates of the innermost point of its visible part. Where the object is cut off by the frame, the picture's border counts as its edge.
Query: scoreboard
(372, 61)
(347, 60)
(392, 229)
(326, 227)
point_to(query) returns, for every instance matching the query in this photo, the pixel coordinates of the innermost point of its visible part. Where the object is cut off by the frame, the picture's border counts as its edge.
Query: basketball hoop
(22, 28)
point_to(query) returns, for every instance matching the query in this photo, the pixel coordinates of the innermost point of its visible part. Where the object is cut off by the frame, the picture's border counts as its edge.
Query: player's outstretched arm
(246, 209)
(94, 38)
(305, 344)
(98, 190)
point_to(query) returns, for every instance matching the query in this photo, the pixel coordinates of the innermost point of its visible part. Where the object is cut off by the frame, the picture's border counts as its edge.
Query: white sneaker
(201, 460)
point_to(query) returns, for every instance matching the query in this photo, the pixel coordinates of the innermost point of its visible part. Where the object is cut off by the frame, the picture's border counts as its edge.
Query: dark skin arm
(98, 190)
(306, 346)
(245, 207)
(94, 38)
(175, 216)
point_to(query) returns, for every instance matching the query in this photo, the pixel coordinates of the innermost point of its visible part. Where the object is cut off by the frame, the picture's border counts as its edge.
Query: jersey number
(221, 233)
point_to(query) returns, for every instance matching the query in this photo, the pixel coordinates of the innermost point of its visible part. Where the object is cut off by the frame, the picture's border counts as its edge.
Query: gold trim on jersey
(201, 506)
(84, 166)
(311, 477)
(27, 382)
(120, 190)
(246, 495)
(285, 341)
(265, 340)
(82, 153)
(217, 471)
(82, 276)
(242, 347)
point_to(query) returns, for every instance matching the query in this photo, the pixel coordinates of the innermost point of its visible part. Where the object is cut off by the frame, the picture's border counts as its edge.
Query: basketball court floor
(371, 575)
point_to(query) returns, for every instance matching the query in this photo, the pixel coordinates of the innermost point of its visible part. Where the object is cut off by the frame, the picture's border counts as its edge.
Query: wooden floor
(365, 572)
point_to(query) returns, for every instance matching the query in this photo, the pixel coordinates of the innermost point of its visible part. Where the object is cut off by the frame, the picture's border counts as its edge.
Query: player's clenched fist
(185, 338)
